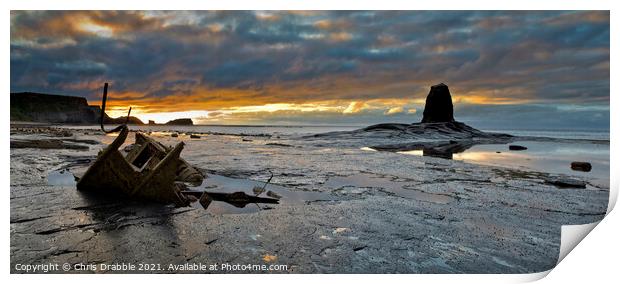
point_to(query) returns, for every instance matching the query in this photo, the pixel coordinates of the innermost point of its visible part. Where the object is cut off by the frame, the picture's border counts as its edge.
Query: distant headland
(48, 108)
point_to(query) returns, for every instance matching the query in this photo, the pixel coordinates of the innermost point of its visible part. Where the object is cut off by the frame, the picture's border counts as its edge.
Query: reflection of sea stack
(438, 106)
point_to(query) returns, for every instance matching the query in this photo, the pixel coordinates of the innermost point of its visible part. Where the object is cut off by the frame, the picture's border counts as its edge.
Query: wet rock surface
(359, 211)
(565, 182)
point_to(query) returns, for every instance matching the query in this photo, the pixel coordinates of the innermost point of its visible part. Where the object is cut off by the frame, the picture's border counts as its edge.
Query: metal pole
(105, 97)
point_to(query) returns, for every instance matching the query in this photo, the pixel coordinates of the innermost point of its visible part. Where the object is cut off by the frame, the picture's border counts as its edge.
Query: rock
(516, 147)
(65, 133)
(565, 182)
(174, 134)
(152, 122)
(194, 136)
(581, 166)
(279, 144)
(180, 121)
(438, 107)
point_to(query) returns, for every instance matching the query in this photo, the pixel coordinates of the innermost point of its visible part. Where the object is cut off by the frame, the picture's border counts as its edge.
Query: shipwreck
(151, 171)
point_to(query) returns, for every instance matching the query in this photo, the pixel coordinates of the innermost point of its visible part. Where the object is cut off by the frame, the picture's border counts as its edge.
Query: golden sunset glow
(94, 28)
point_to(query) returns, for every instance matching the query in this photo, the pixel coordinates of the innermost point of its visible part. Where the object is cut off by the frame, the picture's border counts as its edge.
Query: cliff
(121, 120)
(37, 107)
(52, 108)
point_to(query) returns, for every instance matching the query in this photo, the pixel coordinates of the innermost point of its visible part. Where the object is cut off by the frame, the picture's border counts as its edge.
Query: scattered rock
(516, 148)
(581, 166)
(340, 230)
(359, 248)
(279, 144)
(65, 133)
(566, 182)
(438, 106)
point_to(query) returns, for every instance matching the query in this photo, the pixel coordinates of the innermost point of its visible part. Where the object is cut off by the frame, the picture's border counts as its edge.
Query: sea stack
(438, 106)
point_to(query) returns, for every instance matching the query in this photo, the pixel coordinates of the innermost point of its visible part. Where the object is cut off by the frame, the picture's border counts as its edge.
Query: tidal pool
(549, 157)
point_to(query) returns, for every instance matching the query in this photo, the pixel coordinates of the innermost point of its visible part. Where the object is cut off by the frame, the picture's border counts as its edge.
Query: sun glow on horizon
(249, 113)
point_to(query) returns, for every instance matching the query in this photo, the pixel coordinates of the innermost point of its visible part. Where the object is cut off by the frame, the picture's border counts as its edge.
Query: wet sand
(344, 210)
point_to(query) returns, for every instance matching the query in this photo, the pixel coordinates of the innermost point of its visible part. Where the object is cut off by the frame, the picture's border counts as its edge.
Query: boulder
(438, 107)
(581, 166)
(516, 147)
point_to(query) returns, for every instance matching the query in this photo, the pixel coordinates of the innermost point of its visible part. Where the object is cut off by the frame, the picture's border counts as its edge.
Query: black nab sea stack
(438, 106)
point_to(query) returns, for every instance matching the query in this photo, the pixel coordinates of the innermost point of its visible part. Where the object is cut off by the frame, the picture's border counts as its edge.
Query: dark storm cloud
(305, 56)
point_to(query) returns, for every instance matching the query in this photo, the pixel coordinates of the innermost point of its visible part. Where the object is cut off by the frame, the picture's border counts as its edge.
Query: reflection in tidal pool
(224, 184)
(61, 178)
(412, 152)
(548, 157)
(551, 157)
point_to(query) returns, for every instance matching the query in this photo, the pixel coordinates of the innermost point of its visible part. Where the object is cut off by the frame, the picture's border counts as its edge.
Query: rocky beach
(307, 141)
(343, 209)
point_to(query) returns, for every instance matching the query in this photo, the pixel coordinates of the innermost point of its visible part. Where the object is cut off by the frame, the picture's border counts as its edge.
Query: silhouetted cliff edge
(37, 107)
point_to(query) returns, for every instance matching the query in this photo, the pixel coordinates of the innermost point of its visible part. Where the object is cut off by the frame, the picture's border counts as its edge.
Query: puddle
(387, 184)
(61, 178)
(217, 183)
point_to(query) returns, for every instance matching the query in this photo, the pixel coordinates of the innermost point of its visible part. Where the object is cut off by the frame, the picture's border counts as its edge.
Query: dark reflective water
(550, 157)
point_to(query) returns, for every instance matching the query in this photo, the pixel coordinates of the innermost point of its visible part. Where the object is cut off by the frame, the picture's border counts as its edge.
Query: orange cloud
(355, 107)
(394, 110)
(340, 36)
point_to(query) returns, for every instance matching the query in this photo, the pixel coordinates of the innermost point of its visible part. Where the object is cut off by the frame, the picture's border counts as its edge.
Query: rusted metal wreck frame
(111, 172)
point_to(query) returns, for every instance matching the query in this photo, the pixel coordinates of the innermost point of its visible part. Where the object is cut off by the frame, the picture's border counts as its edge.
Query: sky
(505, 69)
